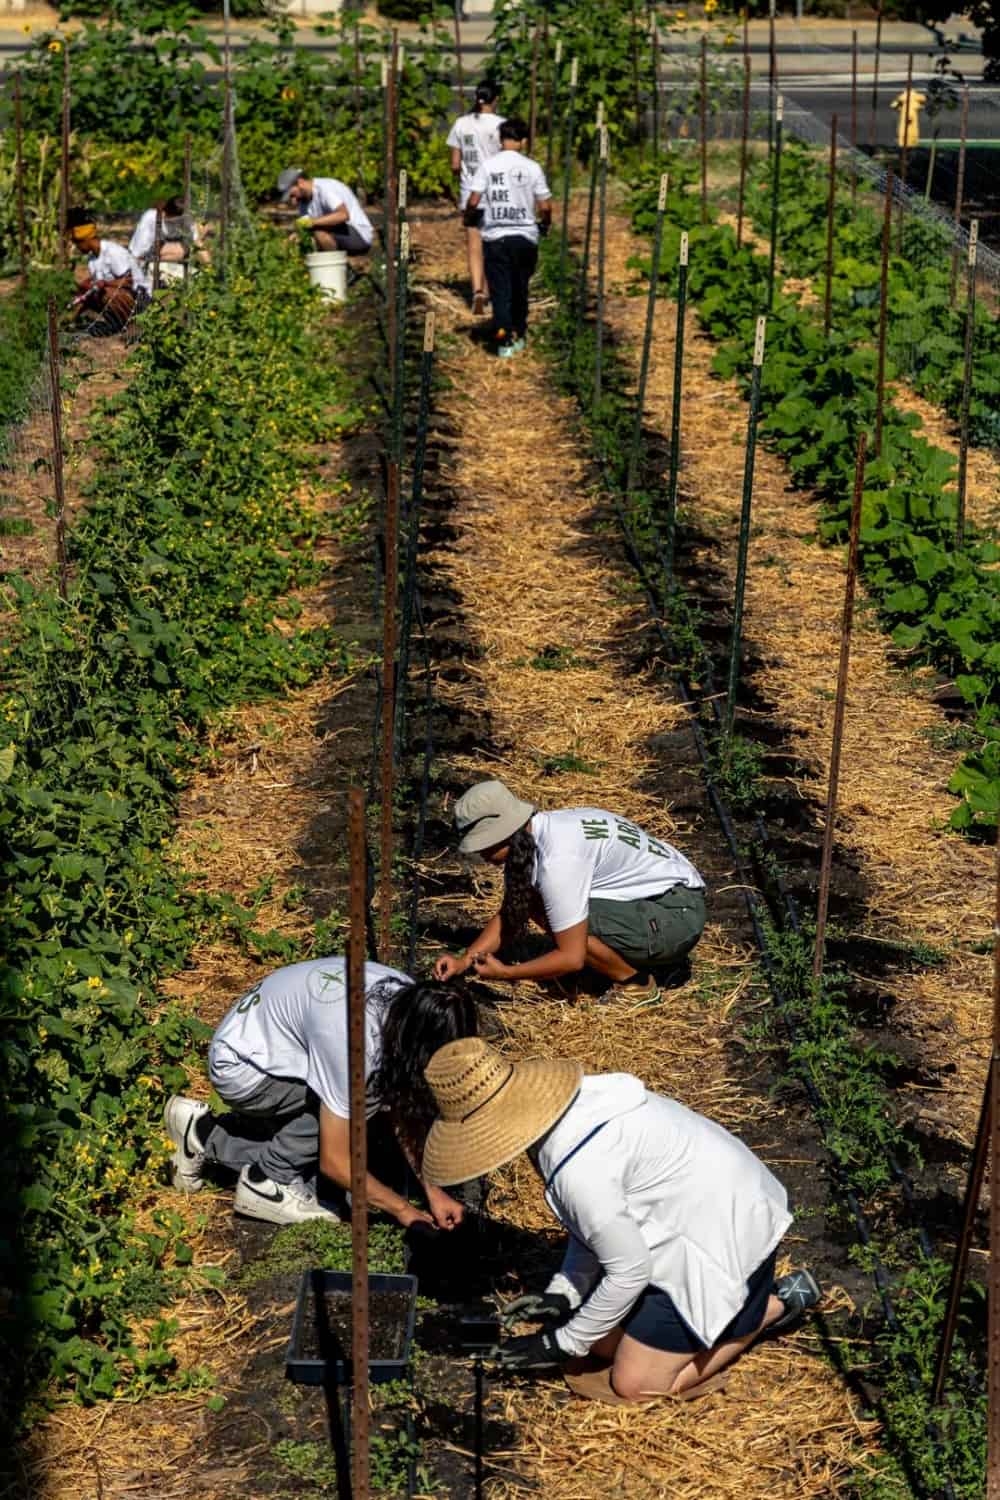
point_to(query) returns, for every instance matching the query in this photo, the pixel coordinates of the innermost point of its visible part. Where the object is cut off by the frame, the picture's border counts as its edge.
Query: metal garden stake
(873, 123)
(833, 781)
(669, 545)
(552, 102)
(358, 1104)
(567, 174)
(963, 136)
(831, 204)
(22, 235)
(533, 93)
(64, 191)
(744, 139)
(854, 115)
(883, 315)
(970, 332)
(581, 297)
(458, 53)
(904, 156)
(640, 400)
(58, 482)
(413, 521)
(744, 541)
(390, 584)
(601, 246)
(703, 128)
(779, 114)
(655, 43)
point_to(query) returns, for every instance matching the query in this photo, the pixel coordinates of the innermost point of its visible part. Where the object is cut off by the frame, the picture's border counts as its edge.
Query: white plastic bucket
(171, 270)
(328, 270)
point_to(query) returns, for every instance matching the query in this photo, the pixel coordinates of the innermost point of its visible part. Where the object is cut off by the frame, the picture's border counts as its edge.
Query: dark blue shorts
(655, 1321)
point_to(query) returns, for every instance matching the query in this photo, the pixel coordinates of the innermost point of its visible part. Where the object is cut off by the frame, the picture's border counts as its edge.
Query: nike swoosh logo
(187, 1131)
(274, 1197)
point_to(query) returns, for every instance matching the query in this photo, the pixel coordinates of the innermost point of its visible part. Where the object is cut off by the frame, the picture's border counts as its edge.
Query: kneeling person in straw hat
(673, 1223)
(279, 1061)
(612, 896)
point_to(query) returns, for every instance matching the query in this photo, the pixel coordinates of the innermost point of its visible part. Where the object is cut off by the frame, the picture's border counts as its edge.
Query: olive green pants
(653, 932)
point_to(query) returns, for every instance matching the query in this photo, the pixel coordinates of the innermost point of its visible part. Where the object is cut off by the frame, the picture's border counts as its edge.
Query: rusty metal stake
(458, 53)
(960, 187)
(553, 99)
(390, 232)
(970, 331)
(973, 1193)
(779, 115)
(854, 116)
(655, 39)
(581, 291)
(57, 451)
(883, 310)
(601, 249)
(744, 147)
(669, 542)
(636, 84)
(993, 1293)
(703, 127)
(772, 77)
(157, 248)
(358, 1104)
(744, 541)
(567, 177)
(22, 233)
(64, 169)
(390, 584)
(647, 341)
(873, 123)
(533, 94)
(830, 208)
(833, 782)
(227, 172)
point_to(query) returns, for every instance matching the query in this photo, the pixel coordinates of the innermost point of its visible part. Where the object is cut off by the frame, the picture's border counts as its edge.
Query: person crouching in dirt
(510, 202)
(279, 1062)
(674, 1224)
(329, 210)
(610, 896)
(113, 287)
(179, 235)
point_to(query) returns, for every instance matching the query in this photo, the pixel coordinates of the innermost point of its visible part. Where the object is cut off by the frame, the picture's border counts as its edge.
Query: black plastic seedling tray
(319, 1351)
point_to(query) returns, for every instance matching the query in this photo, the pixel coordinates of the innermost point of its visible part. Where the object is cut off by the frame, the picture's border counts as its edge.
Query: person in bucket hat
(611, 896)
(674, 1224)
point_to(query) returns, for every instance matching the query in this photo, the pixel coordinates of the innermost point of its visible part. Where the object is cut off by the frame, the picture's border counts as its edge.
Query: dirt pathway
(925, 885)
(532, 568)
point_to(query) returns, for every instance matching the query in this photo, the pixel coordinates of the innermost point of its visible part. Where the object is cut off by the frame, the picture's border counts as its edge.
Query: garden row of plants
(941, 605)
(23, 328)
(815, 1030)
(926, 325)
(197, 526)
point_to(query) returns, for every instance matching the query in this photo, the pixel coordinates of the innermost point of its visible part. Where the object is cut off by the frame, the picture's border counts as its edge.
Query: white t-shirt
(329, 195)
(143, 240)
(478, 139)
(585, 851)
(113, 261)
(510, 184)
(293, 1024)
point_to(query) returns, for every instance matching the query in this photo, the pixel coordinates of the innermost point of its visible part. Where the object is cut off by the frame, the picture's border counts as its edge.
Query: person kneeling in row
(506, 194)
(329, 210)
(610, 896)
(673, 1223)
(279, 1060)
(178, 234)
(113, 284)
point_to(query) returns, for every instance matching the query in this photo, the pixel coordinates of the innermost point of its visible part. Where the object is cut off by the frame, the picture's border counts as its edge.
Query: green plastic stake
(567, 175)
(779, 113)
(601, 246)
(640, 400)
(970, 329)
(744, 542)
(675, 418)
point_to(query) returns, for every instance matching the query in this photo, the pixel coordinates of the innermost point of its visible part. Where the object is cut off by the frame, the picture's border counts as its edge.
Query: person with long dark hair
(473, 139)
(178, 233)
(279, 1061)
(610, 895)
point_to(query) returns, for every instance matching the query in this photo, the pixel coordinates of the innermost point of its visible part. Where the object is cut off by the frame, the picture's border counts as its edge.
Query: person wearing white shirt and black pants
(674, 1224)
(329, 209)
(610, 895)
(474, 140)
(516, 206)
(279, 1061)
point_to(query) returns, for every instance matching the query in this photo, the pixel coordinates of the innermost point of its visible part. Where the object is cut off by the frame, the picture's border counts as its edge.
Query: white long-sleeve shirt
(113, 261)
(654, 1195)
(143, 240)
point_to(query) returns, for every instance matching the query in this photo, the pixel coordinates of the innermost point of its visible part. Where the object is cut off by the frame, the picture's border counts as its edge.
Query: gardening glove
(544, 225)
(534, 1351)
(550, 1308)
(303, 222)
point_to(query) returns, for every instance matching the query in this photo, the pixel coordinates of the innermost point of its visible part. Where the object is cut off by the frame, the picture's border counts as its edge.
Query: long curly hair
(417, 1019)
(518, 885)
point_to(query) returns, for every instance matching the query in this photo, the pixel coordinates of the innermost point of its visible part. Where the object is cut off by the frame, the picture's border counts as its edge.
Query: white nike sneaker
(189, 1159)
(279, 1202)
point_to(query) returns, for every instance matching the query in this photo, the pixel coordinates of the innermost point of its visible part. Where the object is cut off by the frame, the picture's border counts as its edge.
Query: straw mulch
(926, 883)
(531, 575)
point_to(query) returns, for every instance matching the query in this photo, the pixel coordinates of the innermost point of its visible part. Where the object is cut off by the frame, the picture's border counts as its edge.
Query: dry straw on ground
(531, 576)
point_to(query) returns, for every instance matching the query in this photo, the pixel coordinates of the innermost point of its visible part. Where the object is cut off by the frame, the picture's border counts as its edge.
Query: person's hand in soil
(489, 967)
(451, 965)
(448, 1212)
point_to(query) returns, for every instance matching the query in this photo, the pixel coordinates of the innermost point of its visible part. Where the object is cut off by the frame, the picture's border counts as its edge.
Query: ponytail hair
(518, 885)
(486, 93)
(417, 1019)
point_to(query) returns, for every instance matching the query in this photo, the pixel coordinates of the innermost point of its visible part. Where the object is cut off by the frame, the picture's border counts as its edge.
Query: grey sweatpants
(276, 1129)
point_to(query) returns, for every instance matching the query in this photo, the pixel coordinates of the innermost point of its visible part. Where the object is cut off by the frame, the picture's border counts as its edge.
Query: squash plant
(198, 525)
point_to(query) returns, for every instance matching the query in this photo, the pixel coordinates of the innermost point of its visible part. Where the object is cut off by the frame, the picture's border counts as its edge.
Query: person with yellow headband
(113, 283)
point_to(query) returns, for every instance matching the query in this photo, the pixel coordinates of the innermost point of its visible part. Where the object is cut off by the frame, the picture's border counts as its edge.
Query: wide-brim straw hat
(488, 814)
(491, 1109)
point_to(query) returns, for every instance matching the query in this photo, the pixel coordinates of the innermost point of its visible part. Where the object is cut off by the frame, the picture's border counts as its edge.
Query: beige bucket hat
(487, 814)
(491, 1109)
